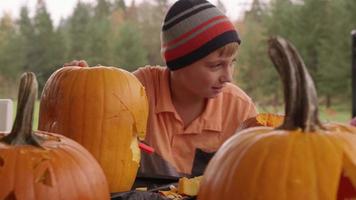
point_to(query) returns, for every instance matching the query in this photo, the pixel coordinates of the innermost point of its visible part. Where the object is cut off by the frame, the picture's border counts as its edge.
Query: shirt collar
(211, 118)
(164, 103)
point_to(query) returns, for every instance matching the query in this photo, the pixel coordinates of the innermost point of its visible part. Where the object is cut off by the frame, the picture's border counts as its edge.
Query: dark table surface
(153, 185)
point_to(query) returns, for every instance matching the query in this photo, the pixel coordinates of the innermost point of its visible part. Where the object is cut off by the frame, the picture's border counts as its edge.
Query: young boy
(193, 106)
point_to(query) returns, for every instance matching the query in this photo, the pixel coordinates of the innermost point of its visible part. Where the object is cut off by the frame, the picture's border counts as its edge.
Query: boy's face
(207, 77)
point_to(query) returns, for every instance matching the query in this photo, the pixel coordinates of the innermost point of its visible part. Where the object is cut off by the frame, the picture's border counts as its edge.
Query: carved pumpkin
(42, 166)
(105, 109)
(301, 159)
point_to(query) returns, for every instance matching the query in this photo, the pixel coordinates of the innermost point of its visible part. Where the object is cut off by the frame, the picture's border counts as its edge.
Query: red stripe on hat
(204, 24)
(198, 40)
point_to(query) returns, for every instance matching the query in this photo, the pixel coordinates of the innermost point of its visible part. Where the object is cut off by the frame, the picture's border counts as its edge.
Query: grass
(334, 114)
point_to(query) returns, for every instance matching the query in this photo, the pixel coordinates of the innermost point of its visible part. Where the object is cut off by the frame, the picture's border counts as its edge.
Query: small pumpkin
(41, 165)
(263, 119)
(104, 109)
(301, 159)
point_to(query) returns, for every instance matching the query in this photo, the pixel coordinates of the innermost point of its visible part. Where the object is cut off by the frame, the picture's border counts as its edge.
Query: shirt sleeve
(141, 75)
(251, 111)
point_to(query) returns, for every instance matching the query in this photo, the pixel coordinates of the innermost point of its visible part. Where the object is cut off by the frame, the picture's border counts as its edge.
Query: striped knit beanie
(192, 29)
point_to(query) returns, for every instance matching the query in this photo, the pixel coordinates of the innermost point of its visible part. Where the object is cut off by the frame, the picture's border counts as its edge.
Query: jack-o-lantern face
(41, 165)
(301, 159)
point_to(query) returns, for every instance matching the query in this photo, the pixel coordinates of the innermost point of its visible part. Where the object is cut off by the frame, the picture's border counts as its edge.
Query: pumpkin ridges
(89, 90)
(268, 146)
(99, 131)
(270, 143)
(330, 147)
(301, 182)
(86, 179)
(256, 171)
(210, 176)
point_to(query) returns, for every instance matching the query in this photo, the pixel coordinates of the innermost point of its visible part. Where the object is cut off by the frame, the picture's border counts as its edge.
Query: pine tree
(47, 54)
(129, 52)
(9, 44)
(27, 36)
(150, 17)
(79, 32)
(100, 44)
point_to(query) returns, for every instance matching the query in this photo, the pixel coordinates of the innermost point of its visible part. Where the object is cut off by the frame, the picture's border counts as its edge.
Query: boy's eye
(216, 65)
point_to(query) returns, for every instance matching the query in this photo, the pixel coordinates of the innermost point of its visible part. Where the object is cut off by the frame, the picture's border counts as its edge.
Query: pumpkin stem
(21, 133)
(301, 102)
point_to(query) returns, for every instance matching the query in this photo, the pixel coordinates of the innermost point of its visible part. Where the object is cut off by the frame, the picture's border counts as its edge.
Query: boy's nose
(226, 77)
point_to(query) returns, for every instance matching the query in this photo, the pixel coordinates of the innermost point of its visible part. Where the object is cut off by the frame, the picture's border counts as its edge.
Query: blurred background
(34, 36)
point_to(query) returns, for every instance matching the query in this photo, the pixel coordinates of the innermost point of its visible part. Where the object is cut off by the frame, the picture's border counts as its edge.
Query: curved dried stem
(21, 133)
(301, 102)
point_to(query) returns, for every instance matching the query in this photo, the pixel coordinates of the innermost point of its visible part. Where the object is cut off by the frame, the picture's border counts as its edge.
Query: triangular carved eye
(45, 178)
(11, 196)
(2, 162)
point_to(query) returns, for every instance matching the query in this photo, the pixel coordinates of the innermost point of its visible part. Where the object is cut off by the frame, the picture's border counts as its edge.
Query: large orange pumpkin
(103, 108)
(301, 159)
(42, 165)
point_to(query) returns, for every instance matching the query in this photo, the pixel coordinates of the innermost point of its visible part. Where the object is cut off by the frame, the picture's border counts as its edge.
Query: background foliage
(111, 33)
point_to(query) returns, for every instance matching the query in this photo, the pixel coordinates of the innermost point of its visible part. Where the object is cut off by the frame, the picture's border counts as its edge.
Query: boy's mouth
(217, 88)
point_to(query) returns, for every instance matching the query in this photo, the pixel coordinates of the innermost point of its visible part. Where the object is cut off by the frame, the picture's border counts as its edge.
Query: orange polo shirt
(166, 133)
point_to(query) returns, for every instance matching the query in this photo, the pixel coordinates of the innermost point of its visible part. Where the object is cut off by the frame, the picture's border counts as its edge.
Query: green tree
(79, 32)
(120, 4)
(48, 52)
(253, 61)
(27, 36)
(150, 18)
(129, 52)
(9, 44)
(10, 62)
(349, 9)
(334, 80)
(102, 9)
(311, 31)
(100, 40)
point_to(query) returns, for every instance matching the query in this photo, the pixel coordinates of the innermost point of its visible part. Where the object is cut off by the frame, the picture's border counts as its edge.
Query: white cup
(6, 115)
